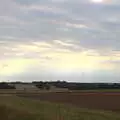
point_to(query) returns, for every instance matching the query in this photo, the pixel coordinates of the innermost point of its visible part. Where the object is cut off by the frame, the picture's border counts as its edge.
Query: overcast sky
(72, 40)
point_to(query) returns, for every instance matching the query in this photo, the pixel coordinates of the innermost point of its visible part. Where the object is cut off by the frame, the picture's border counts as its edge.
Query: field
(92, 100)
(16, 108)
(84, 105)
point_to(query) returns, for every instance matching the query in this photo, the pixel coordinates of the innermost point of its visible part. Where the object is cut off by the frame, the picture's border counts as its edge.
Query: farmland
(92, 100)
(59, 104)
(17, 108)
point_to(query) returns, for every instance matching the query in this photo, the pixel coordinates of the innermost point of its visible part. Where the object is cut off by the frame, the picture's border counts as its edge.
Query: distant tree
(5, 85)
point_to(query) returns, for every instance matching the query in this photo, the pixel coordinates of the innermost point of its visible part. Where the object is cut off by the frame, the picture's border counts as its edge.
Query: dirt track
(104, 101)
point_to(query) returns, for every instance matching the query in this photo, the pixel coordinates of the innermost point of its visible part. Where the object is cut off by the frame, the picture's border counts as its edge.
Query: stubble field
(91, 100)
(60, 106)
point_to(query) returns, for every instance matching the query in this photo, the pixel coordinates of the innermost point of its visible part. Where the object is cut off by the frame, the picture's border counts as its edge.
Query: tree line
(77, 86)
(63, 84)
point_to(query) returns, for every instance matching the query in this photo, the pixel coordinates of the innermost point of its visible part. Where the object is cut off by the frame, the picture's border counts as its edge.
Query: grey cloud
(27, 2)
(87, 25)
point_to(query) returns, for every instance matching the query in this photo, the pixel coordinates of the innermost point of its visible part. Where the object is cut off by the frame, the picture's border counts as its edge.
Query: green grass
(8, 113)
(98, 90)
(15, 108)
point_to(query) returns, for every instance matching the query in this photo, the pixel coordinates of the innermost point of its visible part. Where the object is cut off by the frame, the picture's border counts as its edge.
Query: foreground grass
(8, 113)
(15, 108)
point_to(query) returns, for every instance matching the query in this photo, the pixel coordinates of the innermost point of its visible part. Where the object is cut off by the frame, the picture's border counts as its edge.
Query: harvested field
(18, 108)
(92, 100)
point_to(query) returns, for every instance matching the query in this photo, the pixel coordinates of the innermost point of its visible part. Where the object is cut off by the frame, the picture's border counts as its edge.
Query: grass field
(98, 90)
(16, 108)
(14, 91)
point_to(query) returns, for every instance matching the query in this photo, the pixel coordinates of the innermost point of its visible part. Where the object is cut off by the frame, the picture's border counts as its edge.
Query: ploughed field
(109, 101)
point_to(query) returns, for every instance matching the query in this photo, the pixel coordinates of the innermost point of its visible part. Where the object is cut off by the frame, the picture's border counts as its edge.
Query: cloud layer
(60, 39)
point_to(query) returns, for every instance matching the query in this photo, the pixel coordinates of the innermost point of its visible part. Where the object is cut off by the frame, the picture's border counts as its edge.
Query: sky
(71, 40)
